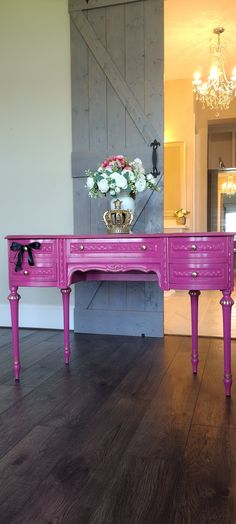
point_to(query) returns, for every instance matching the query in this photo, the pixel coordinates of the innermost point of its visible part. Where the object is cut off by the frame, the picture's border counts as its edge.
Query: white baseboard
(36, 316)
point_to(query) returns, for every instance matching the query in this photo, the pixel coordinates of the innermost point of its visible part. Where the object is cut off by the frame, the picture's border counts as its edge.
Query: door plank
(79, 84)
(134, 68)
(116, 112)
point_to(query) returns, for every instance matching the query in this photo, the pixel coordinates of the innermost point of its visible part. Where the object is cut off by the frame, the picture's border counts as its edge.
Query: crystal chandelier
(217, 92)
(229, 187)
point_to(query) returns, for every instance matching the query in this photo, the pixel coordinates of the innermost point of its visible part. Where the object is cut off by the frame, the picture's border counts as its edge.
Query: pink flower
(119, 159)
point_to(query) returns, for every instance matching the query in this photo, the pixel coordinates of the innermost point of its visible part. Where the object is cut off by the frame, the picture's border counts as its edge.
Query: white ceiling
(188, 35)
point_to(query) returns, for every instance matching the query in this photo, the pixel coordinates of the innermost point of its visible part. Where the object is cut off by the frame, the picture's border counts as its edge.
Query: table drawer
(45, 272)
(119, 248)
(195, 247)
(48, 249)
(195, 276)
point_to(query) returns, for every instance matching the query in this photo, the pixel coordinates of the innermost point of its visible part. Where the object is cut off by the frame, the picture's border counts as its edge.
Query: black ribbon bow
(27, 248)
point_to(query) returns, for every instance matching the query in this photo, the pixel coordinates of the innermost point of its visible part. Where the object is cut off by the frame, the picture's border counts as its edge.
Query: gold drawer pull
(193, 247)
(81, 247)
(25, 272)
(194, 274)
(143, 247)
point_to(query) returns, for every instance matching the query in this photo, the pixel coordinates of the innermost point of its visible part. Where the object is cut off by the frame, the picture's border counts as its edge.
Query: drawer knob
(81, 247)
(194, 274)
(193, 247)
(25, 272)
(143, 247)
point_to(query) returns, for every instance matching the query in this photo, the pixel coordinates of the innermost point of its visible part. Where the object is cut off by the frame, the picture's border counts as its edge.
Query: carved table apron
(188, 261)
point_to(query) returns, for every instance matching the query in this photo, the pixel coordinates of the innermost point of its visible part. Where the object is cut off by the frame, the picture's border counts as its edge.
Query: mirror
(175, 193)
(222, 204)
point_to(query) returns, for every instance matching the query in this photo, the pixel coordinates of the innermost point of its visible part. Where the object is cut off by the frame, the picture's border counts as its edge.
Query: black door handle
(154, 146)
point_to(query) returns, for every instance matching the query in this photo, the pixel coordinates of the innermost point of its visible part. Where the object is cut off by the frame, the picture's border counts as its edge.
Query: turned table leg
(14, 298)
(194, 318)
(227, 303)
(66, 315)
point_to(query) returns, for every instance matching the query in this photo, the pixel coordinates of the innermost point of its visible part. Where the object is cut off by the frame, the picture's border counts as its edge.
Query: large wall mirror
(175, 194)
(222, 176)
(222, 200)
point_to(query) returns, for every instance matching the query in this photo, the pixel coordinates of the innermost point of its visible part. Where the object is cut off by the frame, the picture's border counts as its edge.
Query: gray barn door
(117, 108)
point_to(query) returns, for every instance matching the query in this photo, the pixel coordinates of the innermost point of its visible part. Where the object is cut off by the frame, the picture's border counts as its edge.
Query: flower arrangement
(117, 173)
(180, 213)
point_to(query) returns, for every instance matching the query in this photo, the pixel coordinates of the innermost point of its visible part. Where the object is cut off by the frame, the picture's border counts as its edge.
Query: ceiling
(188, 35)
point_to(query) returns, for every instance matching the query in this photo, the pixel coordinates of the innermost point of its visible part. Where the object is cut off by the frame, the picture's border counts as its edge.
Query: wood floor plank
(208, 477)
(28, 347)
(11, 395)
(213, 408)
(164, 429)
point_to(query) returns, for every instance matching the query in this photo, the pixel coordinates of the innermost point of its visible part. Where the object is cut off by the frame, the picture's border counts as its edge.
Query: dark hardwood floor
(125, 435)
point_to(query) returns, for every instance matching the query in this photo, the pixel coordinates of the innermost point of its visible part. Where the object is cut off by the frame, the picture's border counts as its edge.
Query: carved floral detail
(206, 273)
(46, 248)
(115, 247)
(201, 246)
(113, 268)
(36, 272)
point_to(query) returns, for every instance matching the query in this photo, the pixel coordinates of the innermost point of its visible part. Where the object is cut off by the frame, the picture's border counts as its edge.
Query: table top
(131, 235)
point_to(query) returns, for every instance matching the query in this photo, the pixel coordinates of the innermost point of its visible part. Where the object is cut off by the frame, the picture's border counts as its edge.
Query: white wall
(35, 139)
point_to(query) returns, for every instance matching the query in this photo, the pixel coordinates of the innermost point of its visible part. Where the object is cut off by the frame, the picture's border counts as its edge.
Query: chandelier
(217, 92)
(229, 187)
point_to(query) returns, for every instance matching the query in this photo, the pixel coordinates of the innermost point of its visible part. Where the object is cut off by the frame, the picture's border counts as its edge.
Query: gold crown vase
(118, 220)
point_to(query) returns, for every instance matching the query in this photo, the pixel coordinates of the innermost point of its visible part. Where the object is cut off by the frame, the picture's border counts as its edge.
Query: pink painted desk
(190, 261)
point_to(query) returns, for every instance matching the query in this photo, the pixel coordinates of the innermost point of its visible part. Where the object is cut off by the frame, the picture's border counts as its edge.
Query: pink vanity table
(189, 261)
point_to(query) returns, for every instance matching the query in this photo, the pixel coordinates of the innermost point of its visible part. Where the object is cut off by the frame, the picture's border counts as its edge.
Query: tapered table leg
(14, 298)
(66, 315)
(194, 318)
(227, 303)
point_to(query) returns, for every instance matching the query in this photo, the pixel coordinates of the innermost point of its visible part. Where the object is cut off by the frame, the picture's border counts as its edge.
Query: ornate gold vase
(118, 220)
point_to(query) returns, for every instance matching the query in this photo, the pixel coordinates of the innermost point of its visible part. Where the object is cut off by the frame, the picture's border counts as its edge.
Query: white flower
(120, 180)
(138, 170)
(140, 184)
(150, 177)
(103, 185)
(117, 190)
(131, 176)
(90, 182)
(138, 161)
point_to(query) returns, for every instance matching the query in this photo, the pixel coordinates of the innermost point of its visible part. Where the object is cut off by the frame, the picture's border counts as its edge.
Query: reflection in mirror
(222, 200)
